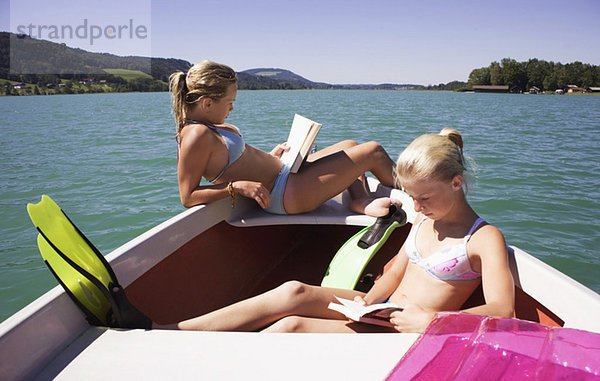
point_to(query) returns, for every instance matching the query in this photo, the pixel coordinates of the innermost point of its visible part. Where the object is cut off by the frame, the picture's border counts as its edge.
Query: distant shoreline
(31, 94)
(83, 72)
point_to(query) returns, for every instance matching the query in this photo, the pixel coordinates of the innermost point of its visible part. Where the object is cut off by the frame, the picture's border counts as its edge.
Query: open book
(301, 139)
(378, 314)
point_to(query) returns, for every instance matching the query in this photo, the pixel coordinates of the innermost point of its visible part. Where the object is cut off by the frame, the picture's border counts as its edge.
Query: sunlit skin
(327, 172)
(450, 218)
(203, 153)
(297, 307)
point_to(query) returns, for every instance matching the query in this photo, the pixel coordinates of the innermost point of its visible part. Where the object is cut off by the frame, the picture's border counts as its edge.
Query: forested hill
(41, 56)
(80, 71)
(276, 78)
(61, 69)
(285, 79)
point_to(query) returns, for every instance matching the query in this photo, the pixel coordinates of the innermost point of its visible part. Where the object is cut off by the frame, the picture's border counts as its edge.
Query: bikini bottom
(277, 191)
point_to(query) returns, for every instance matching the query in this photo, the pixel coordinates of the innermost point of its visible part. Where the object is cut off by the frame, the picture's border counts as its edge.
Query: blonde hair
(205, 79)
(432, 156)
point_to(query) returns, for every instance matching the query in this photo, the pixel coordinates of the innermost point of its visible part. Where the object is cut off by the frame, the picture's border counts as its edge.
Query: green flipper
(351, 259)
(81, 269)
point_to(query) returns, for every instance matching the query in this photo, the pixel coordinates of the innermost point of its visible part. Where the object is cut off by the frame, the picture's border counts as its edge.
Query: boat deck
(50, 338)
(101, 353)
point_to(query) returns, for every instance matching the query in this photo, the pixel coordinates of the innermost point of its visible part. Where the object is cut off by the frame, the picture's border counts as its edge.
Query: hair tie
(185, 87)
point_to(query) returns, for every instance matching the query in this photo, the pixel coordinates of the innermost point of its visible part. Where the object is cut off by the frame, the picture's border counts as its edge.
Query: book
(301, 139)
(378, 314)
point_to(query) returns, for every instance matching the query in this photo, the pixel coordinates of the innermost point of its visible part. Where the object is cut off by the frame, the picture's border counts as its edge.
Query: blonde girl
(208, 147)
(449, 252)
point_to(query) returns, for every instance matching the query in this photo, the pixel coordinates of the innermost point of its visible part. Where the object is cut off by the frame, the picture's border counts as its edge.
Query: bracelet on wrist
(231, 193)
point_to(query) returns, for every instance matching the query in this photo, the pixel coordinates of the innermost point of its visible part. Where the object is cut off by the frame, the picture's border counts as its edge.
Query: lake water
(109, 161)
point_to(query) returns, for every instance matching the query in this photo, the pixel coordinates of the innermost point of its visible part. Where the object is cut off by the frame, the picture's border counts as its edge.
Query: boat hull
(210, 256)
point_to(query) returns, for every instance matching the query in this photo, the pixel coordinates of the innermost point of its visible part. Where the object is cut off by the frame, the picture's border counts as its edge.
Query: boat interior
(244, 262)
(213, 255)
(242, 257)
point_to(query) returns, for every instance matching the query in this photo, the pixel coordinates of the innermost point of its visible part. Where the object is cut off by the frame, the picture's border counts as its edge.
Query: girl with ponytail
(202, 99)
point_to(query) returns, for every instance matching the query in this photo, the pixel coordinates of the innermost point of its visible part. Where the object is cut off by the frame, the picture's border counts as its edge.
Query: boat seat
(81, 269)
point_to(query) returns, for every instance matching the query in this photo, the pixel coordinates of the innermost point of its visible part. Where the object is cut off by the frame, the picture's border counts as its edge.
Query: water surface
(109, 161)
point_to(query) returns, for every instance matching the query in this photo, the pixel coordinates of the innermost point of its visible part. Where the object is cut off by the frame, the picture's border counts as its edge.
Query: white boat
(212, 255)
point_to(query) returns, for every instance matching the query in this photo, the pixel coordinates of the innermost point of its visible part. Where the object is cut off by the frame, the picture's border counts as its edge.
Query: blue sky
(422, 42)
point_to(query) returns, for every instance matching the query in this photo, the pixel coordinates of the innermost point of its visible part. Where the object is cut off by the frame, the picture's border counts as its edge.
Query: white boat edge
(50, 337)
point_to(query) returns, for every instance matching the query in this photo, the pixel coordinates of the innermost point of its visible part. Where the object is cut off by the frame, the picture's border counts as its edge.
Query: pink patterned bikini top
(451, 263)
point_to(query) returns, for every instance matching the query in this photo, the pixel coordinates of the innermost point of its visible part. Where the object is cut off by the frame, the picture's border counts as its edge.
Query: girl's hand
(253, 190)
(360, 300)
(380, 206)
(279, 150)
(412, 319)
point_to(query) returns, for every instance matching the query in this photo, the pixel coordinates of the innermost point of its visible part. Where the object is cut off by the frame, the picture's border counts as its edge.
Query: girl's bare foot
(375, 208)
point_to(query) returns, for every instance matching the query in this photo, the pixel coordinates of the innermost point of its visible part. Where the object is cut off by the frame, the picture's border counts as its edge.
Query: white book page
(299, 133)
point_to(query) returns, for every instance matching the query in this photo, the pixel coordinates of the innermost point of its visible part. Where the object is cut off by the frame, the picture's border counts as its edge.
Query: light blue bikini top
(235, 144)
(451, 263)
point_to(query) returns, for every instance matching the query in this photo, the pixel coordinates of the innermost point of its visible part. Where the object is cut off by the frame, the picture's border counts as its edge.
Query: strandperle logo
(85, 31)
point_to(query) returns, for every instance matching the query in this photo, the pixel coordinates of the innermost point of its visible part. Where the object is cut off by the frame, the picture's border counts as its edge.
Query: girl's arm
(385, 286)
(204, 194)
(496, 278)
(193, 159)
(388, 283)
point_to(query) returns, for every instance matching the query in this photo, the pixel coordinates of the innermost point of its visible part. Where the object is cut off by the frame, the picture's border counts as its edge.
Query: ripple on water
(109, 161)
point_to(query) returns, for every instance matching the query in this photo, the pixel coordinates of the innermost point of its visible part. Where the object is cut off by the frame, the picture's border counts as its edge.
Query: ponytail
(432, 156)
(178, 90)
(454, 136)
(205, 79)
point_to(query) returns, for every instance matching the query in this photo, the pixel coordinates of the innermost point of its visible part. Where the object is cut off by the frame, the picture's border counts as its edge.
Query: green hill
(52, 68)
(284, 79)
(128, 74)
(44, 57)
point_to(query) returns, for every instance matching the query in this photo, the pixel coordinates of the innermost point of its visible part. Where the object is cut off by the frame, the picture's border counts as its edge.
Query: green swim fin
(81, 269)
(351, 259)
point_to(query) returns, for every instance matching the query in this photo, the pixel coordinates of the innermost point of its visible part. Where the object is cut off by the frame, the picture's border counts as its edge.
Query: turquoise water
(109, 161)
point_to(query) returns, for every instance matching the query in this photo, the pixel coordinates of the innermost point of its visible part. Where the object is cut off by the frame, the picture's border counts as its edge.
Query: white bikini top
(451, 263)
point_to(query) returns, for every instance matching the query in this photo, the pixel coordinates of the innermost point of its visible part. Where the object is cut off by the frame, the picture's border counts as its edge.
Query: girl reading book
(449, 252)
(208, 147)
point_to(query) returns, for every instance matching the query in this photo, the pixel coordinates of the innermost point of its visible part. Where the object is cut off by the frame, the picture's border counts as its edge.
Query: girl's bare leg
(291, 298)
(339, 146)
(358, 189)
(318, 325)
(322, 179)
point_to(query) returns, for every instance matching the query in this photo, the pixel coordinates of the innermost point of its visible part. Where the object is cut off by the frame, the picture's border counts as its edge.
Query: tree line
(450, 86)
(547, 76)
(40, 84)
(79, 71)
(82, 71)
